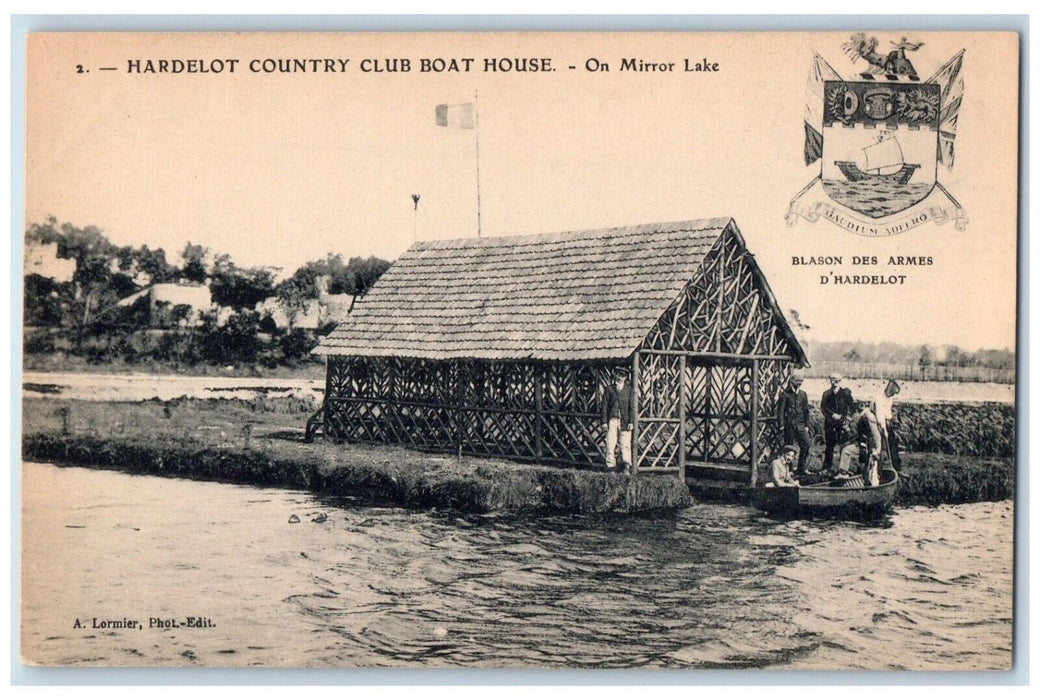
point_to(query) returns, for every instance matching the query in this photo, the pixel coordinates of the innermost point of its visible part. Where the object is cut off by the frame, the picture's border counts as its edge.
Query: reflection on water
(716, 586)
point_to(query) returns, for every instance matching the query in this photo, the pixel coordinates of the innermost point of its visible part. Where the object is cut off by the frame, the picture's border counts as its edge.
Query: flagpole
(476, 134)
(415, 218)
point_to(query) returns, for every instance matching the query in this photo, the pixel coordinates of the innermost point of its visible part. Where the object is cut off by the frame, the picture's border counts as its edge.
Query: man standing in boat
(863, 450)
(617, 413)
(793, 412)
(836, 405)
(889, 439)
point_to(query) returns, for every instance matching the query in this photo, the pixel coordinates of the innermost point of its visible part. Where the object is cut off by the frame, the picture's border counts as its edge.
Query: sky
(278, 169)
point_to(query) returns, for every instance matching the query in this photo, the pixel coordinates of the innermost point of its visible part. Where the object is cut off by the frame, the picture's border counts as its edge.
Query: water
(877, 199)
(715, 586)
(82, 386)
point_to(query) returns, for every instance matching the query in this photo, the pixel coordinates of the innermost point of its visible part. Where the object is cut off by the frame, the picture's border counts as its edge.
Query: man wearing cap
(793, 412)
(618, 409)
(836, 405)
(780, 468)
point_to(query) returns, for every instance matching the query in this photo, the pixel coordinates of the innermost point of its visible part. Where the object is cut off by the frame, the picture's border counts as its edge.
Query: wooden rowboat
(836, 498)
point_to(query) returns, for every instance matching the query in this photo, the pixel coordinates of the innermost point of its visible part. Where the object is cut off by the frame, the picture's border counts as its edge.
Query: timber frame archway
(504, 346)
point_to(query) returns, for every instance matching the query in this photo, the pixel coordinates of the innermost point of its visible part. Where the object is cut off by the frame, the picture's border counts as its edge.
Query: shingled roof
(580, 295)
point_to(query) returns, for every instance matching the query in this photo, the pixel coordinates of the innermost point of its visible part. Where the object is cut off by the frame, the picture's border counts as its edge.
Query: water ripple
(714, 586)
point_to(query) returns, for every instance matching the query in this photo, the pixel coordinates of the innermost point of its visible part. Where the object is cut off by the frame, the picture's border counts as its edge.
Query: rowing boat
(836, 498)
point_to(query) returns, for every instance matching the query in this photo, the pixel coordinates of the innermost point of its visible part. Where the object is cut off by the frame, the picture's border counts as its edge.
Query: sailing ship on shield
(882, 155)
(881, 138)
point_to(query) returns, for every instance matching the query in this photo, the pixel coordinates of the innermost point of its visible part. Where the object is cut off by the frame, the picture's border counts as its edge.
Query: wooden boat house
(503, 347)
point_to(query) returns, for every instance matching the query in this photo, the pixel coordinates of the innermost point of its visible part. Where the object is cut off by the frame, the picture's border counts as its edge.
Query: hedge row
(985, 429)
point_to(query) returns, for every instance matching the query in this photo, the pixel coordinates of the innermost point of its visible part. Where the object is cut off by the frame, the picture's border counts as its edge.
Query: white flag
(457, 116)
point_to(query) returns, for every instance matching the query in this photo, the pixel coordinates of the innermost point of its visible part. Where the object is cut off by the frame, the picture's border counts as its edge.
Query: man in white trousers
(617, 414)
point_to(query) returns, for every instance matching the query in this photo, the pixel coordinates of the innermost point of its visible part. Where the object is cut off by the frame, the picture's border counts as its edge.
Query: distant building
(171, 295)
(335, 307)
(283, 317)
(42, 259)
(315, 313)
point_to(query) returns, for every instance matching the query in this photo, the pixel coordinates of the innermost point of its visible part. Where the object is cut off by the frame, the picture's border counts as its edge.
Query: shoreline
(397, 477)
(259, 442)
(420, 481)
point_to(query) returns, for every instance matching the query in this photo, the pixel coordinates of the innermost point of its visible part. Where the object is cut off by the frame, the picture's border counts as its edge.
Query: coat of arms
(882, 141)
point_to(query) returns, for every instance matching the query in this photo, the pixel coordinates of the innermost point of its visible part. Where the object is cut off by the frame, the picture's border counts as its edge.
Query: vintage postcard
(520, 350)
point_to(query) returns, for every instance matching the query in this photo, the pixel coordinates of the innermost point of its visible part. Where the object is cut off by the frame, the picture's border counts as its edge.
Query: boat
(883, 155)
(835, 498)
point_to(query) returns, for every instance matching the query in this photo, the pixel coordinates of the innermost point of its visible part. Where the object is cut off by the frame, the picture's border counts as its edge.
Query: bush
(236, 342)
(296, 345)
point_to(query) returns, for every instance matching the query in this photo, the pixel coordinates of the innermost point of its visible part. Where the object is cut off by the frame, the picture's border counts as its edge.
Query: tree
(924, 359)
(240, 288)
(236, 341)
(195, 268)
(45, 301)
(145, 265)
(957, 357)
(104, 272)
(356, 278)
(363, 273)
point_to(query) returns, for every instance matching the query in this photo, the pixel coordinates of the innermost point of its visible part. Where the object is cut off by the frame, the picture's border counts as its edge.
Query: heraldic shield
(880, 143)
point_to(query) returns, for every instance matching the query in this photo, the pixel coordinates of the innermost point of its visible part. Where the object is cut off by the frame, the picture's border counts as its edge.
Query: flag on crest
(457, 116)
(821, 71)
(951, 82)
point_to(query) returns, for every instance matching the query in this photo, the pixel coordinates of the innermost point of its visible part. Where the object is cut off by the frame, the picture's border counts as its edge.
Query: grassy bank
(209, 440)
(933, 479)
(259, 442)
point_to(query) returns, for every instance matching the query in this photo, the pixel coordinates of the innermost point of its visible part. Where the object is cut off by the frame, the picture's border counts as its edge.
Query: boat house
(504, 346)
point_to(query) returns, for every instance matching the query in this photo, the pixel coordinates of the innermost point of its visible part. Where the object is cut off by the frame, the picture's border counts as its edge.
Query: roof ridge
(682, 225)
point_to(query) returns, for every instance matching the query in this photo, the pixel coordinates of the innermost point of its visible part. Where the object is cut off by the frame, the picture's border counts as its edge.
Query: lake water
(84, 386)
(714, 586)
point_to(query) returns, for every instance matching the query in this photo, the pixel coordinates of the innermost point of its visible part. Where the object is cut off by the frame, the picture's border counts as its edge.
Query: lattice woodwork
(724, 309)
(528, 411)
(659, 411)
(718, 417)
(772, 377)
(550, 412)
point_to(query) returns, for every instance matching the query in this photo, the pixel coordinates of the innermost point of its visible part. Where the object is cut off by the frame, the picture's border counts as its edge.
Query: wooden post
(460, 397)
(722, 289)
(538, 411)
(709, 371)
(330, 364)
(682, 417)
(635, 413)
(754, 422)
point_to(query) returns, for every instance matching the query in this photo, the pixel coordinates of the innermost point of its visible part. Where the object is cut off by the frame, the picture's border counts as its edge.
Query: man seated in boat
(863, 451)
(780, 468)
